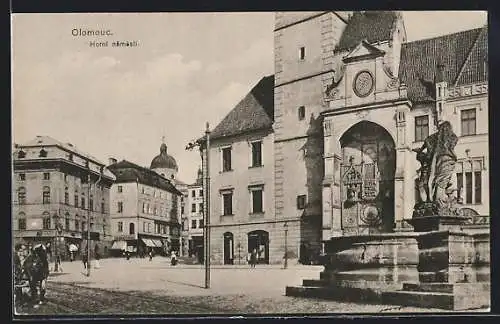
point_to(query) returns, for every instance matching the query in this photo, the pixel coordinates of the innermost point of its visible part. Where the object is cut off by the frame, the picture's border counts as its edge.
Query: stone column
(327, 180)
(331, 190)
(401, 176)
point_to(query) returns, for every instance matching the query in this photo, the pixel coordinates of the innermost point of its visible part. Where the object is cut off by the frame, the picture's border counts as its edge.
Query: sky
(188, 69)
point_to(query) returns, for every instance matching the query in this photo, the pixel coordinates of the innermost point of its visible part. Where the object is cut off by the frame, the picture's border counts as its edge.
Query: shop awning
(148, 242)
(119, 245)
(158, 243)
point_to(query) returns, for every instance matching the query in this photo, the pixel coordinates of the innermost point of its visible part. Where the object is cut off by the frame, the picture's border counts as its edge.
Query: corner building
(145, 210)
(61, 194)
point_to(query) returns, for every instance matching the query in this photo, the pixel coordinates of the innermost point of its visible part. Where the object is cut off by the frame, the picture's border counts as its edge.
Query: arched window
(131, 228)
(21, 195)
(46, 195)
(46, 220)
(21, 155)
(21, 221)
(66, 196)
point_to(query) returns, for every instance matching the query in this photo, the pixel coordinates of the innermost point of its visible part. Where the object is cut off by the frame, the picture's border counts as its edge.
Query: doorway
(228, 248)
(259, 240)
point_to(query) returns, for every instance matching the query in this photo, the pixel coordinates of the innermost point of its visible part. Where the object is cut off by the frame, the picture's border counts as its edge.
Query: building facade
(351, 100)
(145, 210)
(60, 193)
(195, 219)
(389, 96)
(241, 187)
(303, 55)
(184, 240)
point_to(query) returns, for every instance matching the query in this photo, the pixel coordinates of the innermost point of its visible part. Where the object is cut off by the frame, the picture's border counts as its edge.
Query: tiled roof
(254, 112)
(476, 67)
(419, 61)
(371, 26)
(41, 141)
(126, 171)
(49, 141)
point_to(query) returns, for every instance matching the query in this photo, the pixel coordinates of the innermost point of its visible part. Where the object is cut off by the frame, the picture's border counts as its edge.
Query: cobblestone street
(138, 286)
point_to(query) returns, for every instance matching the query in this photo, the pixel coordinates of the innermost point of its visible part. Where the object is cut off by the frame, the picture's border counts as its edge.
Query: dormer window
(21, 155)
(43, 153)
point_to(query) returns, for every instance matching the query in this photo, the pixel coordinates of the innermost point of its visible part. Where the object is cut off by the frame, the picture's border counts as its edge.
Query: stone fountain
(437, 265)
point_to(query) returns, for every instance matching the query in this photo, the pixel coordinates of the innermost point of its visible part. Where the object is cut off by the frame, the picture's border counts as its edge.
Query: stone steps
(425, 299)
(338, 293)
(428, 295)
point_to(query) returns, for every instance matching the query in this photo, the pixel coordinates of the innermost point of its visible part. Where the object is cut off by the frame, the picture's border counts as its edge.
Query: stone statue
(445, 160)
(425, 156)
(437, 159)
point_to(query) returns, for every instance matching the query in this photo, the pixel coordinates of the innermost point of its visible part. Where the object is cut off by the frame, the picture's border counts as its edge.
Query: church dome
(163, 160)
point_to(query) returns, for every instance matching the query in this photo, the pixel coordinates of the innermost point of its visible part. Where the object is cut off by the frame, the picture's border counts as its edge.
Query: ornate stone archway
(367, 170)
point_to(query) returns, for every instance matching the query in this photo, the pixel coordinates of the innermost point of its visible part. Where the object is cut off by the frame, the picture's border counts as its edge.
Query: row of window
(194, 222)
(469, 182)
(193, 208)
(21, 154)
(256, 148)
(43, 153)
(48, 223)
(467, 123)
(256, 201)
(193, 193)
(146, 228)
(146, 209)
(21, 198)
(22, 176)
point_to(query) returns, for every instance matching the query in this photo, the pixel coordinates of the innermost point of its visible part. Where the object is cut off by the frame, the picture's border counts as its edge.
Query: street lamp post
(204, 147)
(285, 226)
(88, 213)
(56, 243)
(88, 230)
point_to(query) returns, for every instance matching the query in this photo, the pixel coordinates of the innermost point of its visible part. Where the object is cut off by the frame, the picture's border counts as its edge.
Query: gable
(372, 26)
(362, 52)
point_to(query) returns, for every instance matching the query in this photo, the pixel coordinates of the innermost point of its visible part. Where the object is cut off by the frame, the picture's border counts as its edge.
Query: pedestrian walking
(150, 253)
(97, 255)
(85, 260)
(173, 258)
(253, 258)
(58, 262)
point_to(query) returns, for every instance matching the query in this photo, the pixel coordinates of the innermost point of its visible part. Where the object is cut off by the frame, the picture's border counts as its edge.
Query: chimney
(111, 161)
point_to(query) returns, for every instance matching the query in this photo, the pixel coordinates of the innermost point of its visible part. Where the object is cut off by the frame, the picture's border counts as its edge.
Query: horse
(36, 268)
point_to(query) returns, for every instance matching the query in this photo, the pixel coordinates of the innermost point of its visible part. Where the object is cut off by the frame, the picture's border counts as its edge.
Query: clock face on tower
(363, 84)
